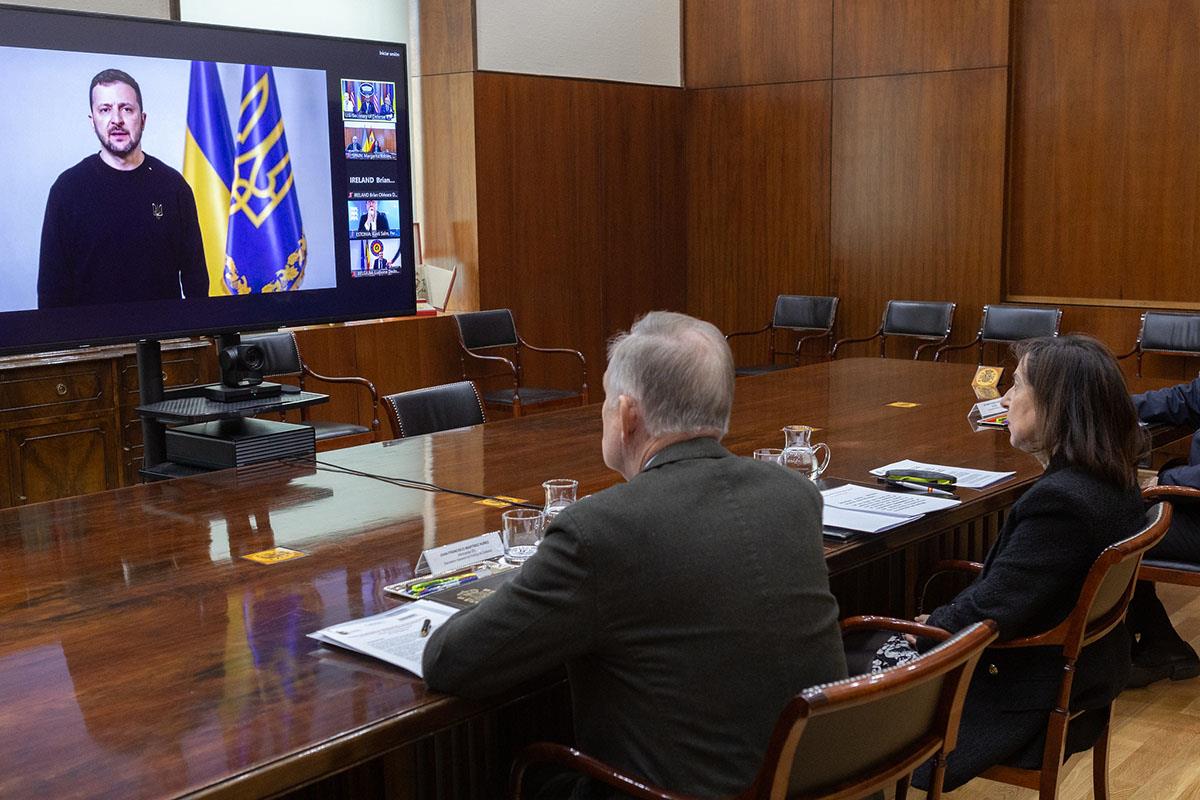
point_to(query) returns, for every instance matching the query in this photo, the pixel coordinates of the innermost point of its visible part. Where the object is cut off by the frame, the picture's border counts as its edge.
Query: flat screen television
(170, 179)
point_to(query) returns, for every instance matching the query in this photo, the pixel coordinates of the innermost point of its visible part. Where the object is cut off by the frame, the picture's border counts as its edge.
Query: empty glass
(800, 454)
(521, 533)
(560, 493)
(770, 454)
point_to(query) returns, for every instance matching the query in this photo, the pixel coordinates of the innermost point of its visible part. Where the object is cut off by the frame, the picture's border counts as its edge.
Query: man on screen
(120, 225)
(374, 221)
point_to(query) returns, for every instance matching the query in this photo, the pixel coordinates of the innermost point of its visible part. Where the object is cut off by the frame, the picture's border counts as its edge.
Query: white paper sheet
(393, 636)
(967, 478)
(875, 501)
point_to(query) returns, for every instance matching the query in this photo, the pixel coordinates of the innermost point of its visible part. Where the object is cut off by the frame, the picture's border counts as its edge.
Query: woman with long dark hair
(1068, 407)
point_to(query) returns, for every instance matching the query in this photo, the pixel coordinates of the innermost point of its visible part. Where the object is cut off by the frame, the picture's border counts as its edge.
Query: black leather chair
(1166, 333)
(433, 409)
(283, 360)
(838, 740)
(926, 321)
(1182, 573)
(1008, 324)
(482, 333)
(810, 316)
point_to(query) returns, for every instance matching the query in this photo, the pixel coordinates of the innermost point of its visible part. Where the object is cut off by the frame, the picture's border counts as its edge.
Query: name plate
(456, 555)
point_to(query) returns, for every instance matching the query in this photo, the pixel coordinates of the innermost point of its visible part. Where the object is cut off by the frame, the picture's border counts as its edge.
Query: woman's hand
(921, 618)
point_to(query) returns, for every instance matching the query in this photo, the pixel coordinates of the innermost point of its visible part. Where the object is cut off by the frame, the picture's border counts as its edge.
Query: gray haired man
(689, 604)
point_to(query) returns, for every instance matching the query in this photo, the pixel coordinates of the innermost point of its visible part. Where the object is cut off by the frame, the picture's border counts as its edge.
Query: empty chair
(844, 739)
(482, 334)
(434, 408)
(283, 359)
(926, 321)
(1166, 333)
(1008, 324)
(810, 316)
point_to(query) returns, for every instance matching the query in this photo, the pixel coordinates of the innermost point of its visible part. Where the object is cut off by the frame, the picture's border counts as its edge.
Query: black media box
(238, 442)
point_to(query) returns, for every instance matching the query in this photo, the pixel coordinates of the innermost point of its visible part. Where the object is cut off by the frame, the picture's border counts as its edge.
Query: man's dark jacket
(689, 605)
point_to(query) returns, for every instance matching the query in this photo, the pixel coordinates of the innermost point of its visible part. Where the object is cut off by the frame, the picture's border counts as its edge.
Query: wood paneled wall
(1104, 183)
(876, 173)
(580, 215)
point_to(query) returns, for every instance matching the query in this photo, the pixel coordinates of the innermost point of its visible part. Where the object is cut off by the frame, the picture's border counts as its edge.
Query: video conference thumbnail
(370, 218)
(369, 142)
(375, 257)
(368, 100)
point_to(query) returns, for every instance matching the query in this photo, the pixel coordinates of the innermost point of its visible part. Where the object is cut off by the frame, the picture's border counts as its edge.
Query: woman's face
(1023, 413)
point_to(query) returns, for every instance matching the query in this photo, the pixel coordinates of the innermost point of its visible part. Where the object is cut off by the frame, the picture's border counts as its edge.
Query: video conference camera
(242, 369)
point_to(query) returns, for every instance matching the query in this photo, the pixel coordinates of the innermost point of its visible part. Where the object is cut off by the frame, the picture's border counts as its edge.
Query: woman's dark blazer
(1029, 584)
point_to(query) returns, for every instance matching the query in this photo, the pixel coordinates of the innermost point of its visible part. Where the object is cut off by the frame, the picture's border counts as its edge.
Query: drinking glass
(771, 454)
(560, 493)
(521, 534)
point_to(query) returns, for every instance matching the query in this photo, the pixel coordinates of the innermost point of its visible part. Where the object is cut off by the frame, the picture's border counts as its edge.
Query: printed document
(859, 508)
(397, 636)
(967, 478)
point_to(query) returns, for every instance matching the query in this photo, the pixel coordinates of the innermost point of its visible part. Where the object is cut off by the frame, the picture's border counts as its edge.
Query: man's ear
(630, 415)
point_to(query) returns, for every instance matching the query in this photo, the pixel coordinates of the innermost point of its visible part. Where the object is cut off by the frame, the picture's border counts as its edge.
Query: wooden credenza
(67, 425)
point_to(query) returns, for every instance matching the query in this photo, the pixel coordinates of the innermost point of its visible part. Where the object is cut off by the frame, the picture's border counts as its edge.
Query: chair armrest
(569, 757)
(1155, 493)
(763, 329)
(566, 350)
(947, 347)
(370, 387)
(840, 342)
(896, 625)
(921, 348)
(511, 366)
(946, 567)
(801, 340)
(1136, 347)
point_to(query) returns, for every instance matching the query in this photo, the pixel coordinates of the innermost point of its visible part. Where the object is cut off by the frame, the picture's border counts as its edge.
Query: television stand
(160, 407)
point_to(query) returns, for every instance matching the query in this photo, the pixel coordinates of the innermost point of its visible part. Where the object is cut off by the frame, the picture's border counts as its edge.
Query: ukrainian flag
(266, 250)
(208, 165)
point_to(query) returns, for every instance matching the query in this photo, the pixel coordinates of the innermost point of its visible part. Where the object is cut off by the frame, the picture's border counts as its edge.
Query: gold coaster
(274, 555)
(903, 404)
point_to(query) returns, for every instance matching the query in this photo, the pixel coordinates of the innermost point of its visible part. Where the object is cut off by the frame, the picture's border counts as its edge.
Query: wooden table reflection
(142, 656)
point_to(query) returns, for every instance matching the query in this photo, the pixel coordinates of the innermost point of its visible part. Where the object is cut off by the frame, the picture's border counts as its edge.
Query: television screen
(167, 179)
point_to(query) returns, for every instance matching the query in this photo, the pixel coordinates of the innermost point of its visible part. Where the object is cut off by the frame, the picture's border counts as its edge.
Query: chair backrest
(1014, 323)
(918, 318)
(433, 409)
(479, 330)
(1110, 582)
(1165, 332)
(805, 312)
(281, 350)
(872, 729)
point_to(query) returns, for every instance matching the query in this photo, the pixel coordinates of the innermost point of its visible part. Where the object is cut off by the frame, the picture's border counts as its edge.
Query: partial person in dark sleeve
(1068, 407)
(1159, 652)
(689, 604)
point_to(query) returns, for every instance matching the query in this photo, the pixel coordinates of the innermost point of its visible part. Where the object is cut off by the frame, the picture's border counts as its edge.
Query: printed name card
(456, 555)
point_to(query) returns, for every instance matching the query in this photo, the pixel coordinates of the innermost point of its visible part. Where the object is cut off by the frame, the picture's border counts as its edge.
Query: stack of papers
(967, 478)
(397, 636)
(858, 509)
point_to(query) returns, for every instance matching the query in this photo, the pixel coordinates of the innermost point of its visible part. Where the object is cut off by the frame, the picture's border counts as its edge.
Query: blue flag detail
(266, 250)
(208, 155)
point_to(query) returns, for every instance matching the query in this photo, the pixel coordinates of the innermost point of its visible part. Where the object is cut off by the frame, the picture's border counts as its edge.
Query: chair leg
(1100, 762)
(902, 788)
(936, 777)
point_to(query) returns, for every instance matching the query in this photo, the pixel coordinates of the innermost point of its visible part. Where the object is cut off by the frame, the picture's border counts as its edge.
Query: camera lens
(253, 358)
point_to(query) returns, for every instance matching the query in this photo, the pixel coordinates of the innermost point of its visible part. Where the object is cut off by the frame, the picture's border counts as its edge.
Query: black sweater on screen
(113, 236)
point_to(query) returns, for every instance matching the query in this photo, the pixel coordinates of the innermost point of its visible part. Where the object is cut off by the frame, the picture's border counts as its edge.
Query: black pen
(425, 628)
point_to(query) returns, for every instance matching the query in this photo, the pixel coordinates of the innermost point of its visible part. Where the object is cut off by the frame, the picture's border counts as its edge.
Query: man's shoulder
(163, 171)
(82, 170)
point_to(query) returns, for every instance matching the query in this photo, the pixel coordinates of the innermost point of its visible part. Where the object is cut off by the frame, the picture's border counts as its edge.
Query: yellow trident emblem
(244, 190)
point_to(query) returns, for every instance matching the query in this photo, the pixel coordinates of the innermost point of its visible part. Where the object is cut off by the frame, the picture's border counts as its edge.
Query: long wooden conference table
(142, 656)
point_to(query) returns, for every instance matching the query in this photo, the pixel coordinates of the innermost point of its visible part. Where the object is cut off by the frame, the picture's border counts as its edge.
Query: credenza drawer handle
(61, 389)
